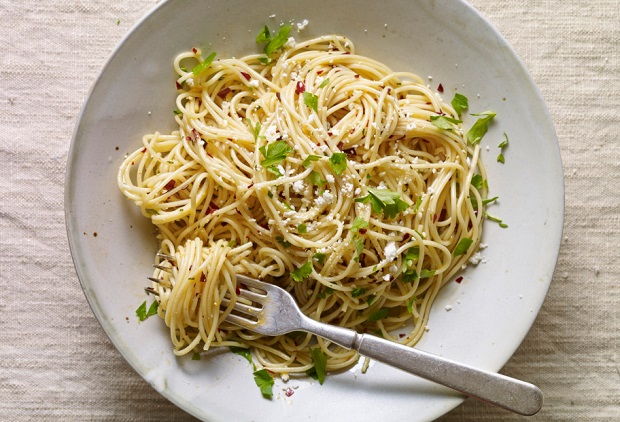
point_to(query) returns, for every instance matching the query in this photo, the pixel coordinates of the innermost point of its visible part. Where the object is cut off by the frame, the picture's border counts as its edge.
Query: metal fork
(273, 312)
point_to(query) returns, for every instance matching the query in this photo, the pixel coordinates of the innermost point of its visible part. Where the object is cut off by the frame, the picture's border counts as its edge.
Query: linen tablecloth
(57, 363)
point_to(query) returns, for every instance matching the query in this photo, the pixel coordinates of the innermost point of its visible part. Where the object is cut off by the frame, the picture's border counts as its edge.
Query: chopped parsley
(319, 257)
(410, 303)
(311, 101)
(358, 291)
(501, 146)
(143, 313)
(479, 128)
(302, 229)
(275, 153)
(319, 359)
(462, 246)
(309, 159)
(264, 380)
(338, 162)
(315, 179)
(379, 314)
(460, 103)
(358, 223)
(243, 352)
(324, 83)
(202, 66)
(255, 129)
(325, 292)
(301, 273)
(177, 112)
(497, 220)
(283, 241)
(444, 122)
(384, 200)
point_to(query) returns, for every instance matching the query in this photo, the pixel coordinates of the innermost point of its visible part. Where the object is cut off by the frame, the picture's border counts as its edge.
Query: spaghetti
(316, 169)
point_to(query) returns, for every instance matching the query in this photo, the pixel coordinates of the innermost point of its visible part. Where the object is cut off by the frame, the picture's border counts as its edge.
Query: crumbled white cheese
(254, 83)
(477, 258)
(411, 126)
(330, 178)
(358, 191)
(281, 169)
(393, 268)
(301, 25)
(290, 43)
(448, 308)
(347, 189)
(271, 133)
(390, 251)
(299, 186)
(386, 277)
(325, 199)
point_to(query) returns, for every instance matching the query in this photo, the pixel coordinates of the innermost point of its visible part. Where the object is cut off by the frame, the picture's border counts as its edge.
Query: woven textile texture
(56, 363)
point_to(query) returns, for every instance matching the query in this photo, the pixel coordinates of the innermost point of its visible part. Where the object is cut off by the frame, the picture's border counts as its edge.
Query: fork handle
(509, 393)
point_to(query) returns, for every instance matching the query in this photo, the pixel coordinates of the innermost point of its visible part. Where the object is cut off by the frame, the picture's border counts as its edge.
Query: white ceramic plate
(492, 309)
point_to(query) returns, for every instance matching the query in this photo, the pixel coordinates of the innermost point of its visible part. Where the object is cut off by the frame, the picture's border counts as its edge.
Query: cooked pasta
(319, 170)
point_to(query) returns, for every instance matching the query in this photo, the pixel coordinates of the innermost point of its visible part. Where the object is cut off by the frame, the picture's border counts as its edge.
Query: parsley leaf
(477, 181)
(444, 122)
(410, 303)
(302, 229)
(264, 380)
(324, 83)
(479, 128)
(462, 246)
(275, 153)
(142, 312)
(459, 103)
(357, 292)
(309, 159)
(489, 200)
(311, 101)
(263, 35)
(501, 146)
(200, 67)
(384, 200)
(283, 241)
(243, 352)
(358, 223)
(338, 162)
(278, 41)
(315, 178)
(497, 220)
(377, 315)
(319, 359)
(319, 257)
(302, 272)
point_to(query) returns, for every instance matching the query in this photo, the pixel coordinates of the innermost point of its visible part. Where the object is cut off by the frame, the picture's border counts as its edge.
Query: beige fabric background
(56, 363)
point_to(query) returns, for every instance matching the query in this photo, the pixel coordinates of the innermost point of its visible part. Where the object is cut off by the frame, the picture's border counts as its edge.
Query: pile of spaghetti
(319, 170)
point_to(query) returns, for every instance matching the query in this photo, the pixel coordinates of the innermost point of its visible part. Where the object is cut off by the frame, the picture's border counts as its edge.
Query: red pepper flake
(300, 88)
(406, 236)
(196, 135)
(340, 144)
(194, 50)
(289, 392)
(212, 208)
(356, 76)
(319, 72)
(143, 150)
(350, 151)
(246, 75)
(459, 279)
(348, 52)
(250, 185)
(363, 231)
(352, 131)
(203, 278)
(278, 96)
(170, 185)
(179, 86)
(237, 290)
(440, 88)
(223, 93)
(401, 335)
(209, 154)
(189, 138)
(329, 134)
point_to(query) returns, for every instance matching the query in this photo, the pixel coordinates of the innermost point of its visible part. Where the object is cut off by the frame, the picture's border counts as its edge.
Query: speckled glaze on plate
(446, 42)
